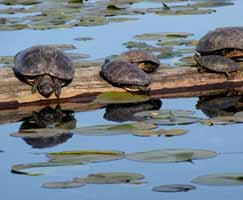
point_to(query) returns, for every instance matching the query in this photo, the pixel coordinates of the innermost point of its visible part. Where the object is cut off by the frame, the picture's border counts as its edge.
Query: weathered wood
(177, 82)
(17, 101)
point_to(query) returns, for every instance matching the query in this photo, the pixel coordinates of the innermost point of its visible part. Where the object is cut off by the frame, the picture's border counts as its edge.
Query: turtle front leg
(37, 81)
(57, 87)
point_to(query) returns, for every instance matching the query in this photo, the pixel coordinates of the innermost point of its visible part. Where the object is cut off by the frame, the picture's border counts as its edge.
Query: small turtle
(46, 68)
(217, 63)
(126, 75)
(146, 61)
(226, 41)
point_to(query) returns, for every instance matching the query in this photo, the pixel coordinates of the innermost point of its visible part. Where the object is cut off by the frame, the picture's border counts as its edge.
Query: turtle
(227, 41)
(146, 61)
(46, 69)
(217, 63)
(124, 74)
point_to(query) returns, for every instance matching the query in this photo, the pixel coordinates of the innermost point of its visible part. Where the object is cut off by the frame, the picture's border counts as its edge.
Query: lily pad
(41, 132)
(164, 114)
(84, 156)
(83, 38)
(110, 178)
(168, 133)
(174, 188)
(99, 130)
(160, 36)
(23, 168)
(224, 179)
(222, 120)
(120, 97)
(171, 155)
(62, 185)
(174, 121)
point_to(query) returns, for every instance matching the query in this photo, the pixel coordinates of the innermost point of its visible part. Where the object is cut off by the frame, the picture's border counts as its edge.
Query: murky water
(108, 39)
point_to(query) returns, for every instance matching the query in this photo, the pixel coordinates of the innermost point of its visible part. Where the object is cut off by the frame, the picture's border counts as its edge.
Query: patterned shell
(221, 38)
(218, 63)
(137, 56)
(40, 60)
(124, 73)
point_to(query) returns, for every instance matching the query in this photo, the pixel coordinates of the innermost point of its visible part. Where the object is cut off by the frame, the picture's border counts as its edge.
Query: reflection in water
(220, 105)
(49, 118)
(125, 112)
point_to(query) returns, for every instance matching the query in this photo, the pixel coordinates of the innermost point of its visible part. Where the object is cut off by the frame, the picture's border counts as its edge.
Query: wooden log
(167, 83)
(17, 101)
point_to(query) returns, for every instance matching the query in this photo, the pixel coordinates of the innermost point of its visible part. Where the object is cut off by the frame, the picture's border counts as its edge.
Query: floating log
(167, 83)
(17, 101)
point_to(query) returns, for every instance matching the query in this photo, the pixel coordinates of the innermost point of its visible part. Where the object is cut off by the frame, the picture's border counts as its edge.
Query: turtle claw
(57, 87)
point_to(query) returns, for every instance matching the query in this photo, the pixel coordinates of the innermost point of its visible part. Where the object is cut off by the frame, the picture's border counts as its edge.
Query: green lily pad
(174, 188)
(171, 155)
(222, 120)
(164, 114)
(168, 133)
(224, 179)
(84, 156)
(174, 121)
(110, 178)
(83, 38)
(62, 185)
(160, 36)
(120, 97)
(41, 132)
(99, 130)
(23, 168)
(183, 42)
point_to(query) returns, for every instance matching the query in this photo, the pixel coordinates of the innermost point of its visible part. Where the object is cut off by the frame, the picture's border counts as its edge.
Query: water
(108, 40)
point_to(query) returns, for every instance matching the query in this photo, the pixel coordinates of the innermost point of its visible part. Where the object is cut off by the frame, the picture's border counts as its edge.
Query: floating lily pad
(120, 97)
(174, 188)
(23, 168)
(110, 178)
(63, 47)
(83, 38)
(175, 132)
(224, 179)
(168, 133)
(41, 132)
(183, 42)
(223, 120)
(163, 114)
(174, 121)
(99, 130)
(171, 155)
(160, 36)
(84, 156)
(62, 185)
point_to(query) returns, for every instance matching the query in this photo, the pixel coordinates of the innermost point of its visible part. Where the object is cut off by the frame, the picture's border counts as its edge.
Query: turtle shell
(124, 73)
(41, 60)
(218, 63)
(140, 56)
(221, 38)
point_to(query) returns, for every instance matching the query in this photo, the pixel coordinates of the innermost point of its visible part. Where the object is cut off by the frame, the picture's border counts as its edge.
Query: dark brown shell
(40, 60)
(138, 56)
(124, 73)
(221, 38)
(218, 63)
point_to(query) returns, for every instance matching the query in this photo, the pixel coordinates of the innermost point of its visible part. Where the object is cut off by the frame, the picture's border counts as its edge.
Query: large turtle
(46, 68)
(216, 63)
(226, 41)
(146, 61)
(126, 75)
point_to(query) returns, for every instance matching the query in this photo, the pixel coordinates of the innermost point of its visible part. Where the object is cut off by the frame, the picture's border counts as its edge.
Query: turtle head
(46, 86)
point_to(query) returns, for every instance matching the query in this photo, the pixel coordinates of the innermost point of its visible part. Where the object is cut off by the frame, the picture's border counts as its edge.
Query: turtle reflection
(220, 105)
(125, 112)
(49, 117)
